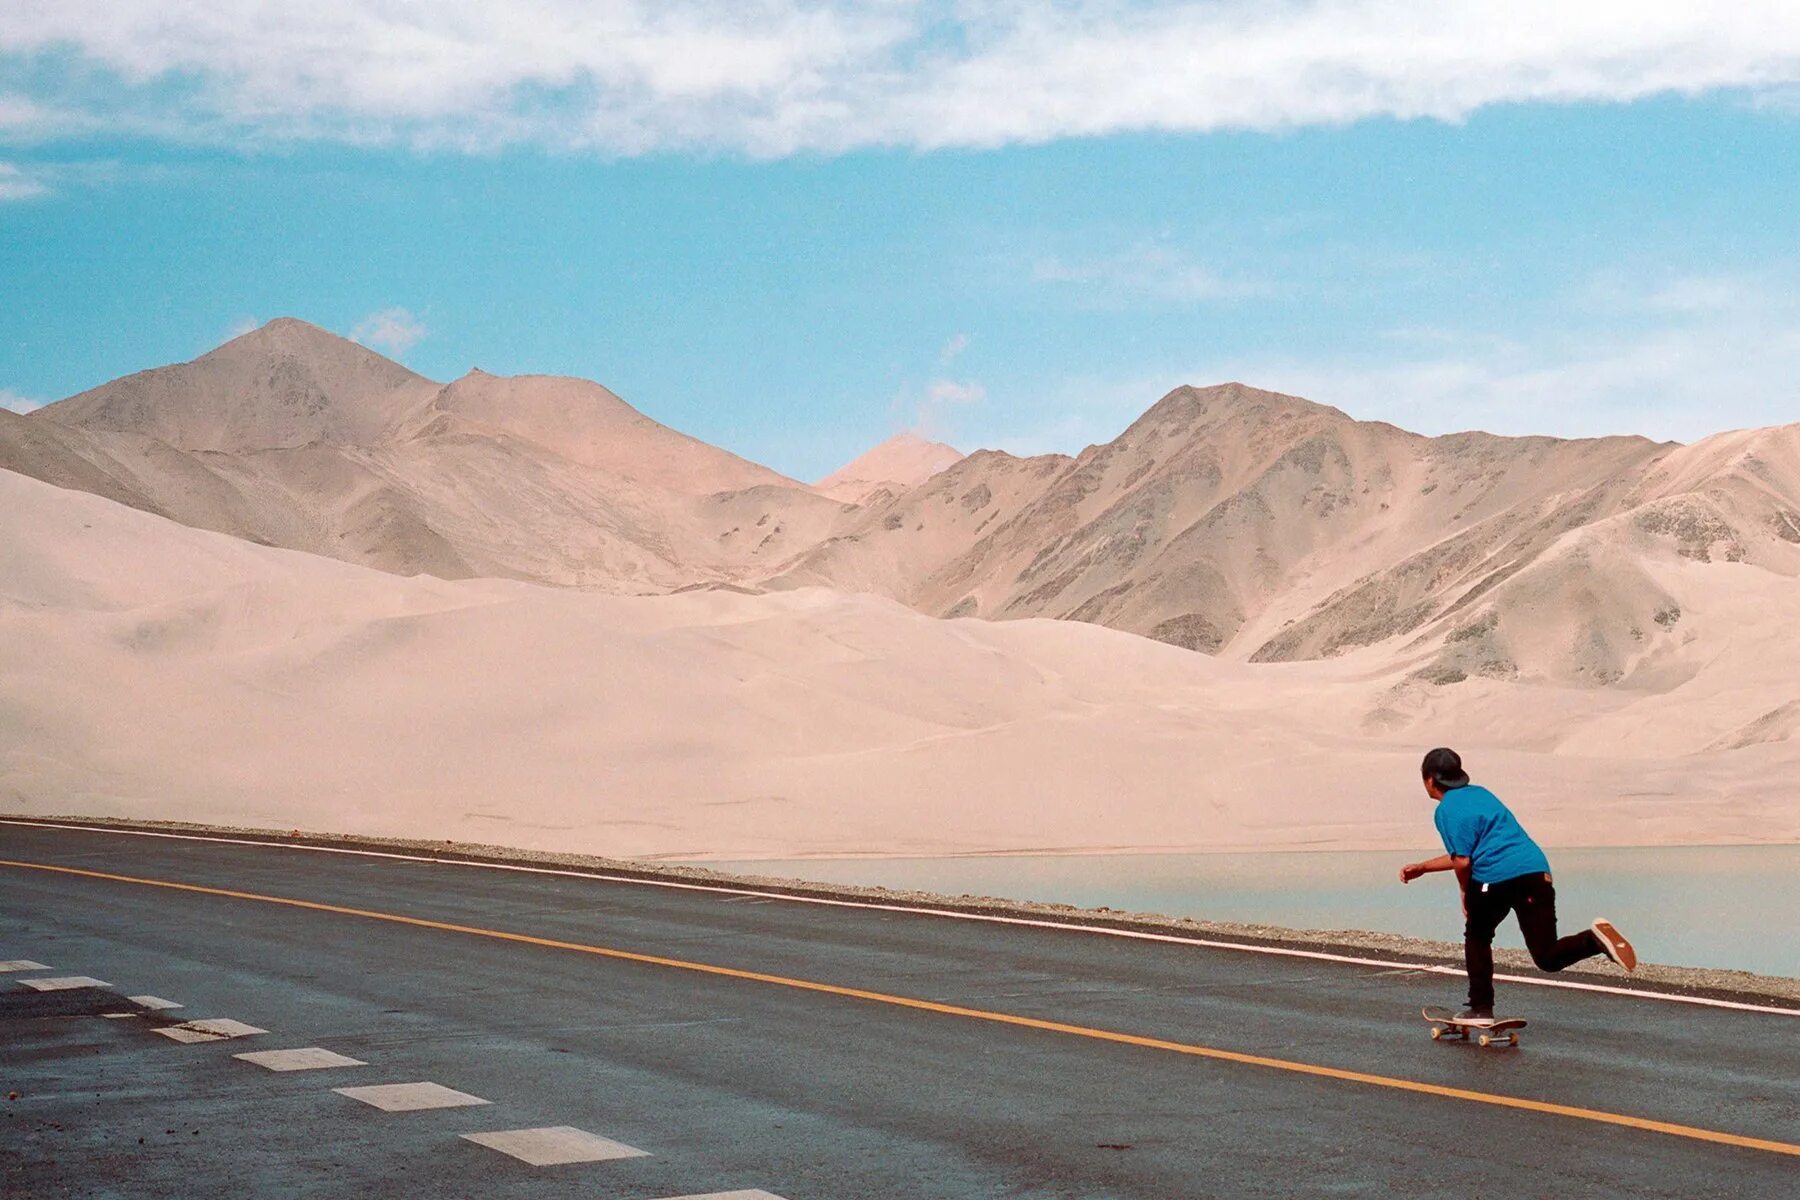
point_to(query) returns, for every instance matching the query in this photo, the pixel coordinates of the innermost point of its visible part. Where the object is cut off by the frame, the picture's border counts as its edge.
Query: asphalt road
(812, 1052)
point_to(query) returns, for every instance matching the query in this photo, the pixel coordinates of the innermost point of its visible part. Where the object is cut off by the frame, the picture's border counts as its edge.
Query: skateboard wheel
(1436, 1033)
(1484, 1039)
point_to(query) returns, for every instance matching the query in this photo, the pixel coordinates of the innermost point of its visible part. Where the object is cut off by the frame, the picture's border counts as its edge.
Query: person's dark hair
(1443, 767)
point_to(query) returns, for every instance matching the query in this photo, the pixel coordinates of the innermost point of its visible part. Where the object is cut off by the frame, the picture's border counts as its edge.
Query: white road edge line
(988, 918)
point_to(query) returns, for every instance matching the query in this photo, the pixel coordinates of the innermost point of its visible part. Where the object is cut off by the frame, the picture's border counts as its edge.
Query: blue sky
(793, 237)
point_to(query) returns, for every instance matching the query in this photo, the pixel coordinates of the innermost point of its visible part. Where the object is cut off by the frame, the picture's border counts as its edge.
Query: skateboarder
(1500, 870)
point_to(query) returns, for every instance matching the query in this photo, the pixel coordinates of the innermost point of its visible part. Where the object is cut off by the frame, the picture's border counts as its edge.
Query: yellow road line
(975, 1014)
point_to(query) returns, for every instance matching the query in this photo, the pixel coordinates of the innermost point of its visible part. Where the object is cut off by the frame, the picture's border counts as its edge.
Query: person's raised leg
(1536, 906)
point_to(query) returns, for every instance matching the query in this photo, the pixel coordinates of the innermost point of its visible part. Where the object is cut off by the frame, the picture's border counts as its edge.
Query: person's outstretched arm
(1443, 862)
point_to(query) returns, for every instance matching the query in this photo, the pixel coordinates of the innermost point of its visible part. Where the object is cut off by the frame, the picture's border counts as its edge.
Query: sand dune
(1233, 521)
(519, 610)
(151, 669)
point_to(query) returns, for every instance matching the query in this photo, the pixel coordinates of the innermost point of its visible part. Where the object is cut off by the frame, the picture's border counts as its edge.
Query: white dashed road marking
(410, 1097)
(156, 1002)
(211, 1030)
(63, 983)
(308, 1058)
(555, 1145)
(752, 1194)
(22, 964)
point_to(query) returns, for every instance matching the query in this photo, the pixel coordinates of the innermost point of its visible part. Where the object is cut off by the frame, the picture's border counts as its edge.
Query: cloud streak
(12, 401)
(392, 330)
(1146, 273)
(776, 77)
(1677, 358)
(1661, 358)
(17, 184)
(932, 412)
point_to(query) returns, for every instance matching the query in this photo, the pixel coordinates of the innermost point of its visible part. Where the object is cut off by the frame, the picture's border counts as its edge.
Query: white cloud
(17, 184)
(1147, 272)
(949, 391)
(1668, 358)
(17, 112)
(1067, 433)
(934, 416)
(12, 401)
(771, 77)
(1695, 296)
(241, 326)
(1677, 383)
(1784, 100)
(392, 330)
(1063, 415)
(1659, 299)
(931, 413)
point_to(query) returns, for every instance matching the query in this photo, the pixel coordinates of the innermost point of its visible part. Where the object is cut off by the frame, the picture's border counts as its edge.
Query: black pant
(1534, 899)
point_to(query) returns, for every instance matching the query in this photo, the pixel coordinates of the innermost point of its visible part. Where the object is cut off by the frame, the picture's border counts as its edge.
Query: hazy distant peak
(290, 337)
(287, 383)
(1233, 401)
(902, 462)
(545, 402)
(586, 423)
(283, 328)
(292, 327)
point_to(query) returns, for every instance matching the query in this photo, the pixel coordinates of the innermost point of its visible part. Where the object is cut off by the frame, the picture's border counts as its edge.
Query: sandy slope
(151, 669)
(1607, 624)
(1230, 520)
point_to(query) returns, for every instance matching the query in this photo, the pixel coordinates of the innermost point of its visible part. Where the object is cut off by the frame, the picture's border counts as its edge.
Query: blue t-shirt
(1476, 826)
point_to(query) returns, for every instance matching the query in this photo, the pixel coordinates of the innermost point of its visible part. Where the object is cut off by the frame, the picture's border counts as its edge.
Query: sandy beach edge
(1650, 978)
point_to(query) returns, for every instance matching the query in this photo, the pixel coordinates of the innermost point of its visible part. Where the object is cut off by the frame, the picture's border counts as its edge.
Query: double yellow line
(974, 1014)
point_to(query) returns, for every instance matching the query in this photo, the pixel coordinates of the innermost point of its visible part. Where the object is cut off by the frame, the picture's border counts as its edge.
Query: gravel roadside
(1739, 986)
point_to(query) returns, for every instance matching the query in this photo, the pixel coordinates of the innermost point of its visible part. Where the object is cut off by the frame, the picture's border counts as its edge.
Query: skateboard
(1503, 1031)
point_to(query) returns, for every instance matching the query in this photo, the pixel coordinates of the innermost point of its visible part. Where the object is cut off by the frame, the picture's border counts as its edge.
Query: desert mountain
(587, 425)
(1607, 624)
(286, 384)
(294, 437)
(1259, 526)
(898, 465)
(155, 670)
(1237, 522)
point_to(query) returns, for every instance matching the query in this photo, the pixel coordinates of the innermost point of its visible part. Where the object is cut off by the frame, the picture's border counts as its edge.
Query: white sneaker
(1614, 943)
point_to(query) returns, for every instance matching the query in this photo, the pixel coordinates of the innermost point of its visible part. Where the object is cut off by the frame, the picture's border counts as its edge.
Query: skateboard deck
(1502, 1031)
